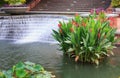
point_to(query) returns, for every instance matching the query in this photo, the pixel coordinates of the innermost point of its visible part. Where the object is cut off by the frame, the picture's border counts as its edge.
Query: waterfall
(29, 28)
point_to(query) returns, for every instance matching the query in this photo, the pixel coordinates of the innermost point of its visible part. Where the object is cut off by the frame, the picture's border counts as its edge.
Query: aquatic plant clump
(86, 39)
(26, 70)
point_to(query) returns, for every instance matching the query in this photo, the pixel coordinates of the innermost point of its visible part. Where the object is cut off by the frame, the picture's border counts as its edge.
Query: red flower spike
(98, 35)
(90, 30)
(97, 12)
(111, 23)
(104, 36)
(60, 31)
(83, 24)
(91, 11)
(112, 20)
(76, 58)
(74, 23)
(59, 25)
(71, 29)
(76, 14)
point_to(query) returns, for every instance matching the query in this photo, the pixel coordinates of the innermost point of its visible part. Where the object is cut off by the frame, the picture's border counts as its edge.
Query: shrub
(2, 2)
(86, 39)
(15, 2)
(26, 70)
(115, 3)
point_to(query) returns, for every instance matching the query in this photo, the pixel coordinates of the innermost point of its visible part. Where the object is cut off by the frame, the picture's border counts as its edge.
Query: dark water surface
(47, 55)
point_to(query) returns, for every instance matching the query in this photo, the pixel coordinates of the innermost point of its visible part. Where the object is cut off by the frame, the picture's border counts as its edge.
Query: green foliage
(86, 39)
(2, 2)
(15, 2)
(26, 70)
(115, 3)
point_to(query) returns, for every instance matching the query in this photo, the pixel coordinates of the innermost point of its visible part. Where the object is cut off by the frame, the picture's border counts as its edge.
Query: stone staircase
(71, 5)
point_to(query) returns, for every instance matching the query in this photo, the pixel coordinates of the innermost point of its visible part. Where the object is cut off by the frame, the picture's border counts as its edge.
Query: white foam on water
(40, 30)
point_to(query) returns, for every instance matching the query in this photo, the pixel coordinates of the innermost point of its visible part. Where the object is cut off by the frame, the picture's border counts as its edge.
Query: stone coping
(48, 12)
(56, 12)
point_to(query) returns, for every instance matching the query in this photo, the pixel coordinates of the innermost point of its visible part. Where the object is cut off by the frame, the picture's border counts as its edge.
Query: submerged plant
(26, 70)
(86, 39)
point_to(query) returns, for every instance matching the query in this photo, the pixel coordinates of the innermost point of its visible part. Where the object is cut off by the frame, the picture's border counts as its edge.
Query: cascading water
(29, 28)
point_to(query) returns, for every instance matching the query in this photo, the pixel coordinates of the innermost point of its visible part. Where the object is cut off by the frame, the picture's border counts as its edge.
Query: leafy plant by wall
(115, 3)
(2, 2)
(15, 2)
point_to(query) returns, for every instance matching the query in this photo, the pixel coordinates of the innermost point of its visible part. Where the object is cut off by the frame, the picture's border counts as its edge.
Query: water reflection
(109, 68)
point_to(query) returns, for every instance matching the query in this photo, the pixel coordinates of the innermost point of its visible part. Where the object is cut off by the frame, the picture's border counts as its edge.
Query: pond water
(28, 38)
(48, 56)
